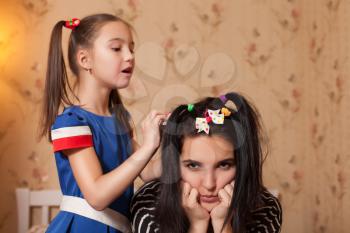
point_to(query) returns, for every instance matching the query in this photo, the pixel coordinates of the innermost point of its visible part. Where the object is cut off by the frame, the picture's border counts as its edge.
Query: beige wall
(291, 57)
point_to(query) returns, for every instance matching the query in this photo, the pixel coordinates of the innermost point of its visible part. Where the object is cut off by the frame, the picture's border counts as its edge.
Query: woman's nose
(209, 181)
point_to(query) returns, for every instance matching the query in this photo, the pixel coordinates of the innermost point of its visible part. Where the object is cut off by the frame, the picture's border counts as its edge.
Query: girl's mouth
(127, 70)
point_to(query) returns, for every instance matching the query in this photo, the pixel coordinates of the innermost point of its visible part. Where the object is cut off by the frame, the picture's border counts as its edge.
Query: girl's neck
(93, 99)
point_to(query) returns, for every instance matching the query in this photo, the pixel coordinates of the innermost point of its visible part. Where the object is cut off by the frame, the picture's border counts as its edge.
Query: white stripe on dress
(70, 132)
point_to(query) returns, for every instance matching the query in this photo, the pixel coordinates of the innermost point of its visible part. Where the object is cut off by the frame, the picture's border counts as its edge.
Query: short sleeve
(70, 131)
(143, 207)
(268, 218)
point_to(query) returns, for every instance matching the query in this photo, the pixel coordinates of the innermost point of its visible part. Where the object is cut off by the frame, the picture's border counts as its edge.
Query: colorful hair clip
(226, 112)
(190, 107)
(223, 98)
(72, 24)
(202, 124)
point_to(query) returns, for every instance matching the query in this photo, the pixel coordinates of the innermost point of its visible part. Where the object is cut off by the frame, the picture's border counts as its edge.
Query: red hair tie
(73, 23)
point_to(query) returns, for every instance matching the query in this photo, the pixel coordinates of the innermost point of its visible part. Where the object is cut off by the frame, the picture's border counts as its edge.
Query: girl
(92, 136)
(211, 179)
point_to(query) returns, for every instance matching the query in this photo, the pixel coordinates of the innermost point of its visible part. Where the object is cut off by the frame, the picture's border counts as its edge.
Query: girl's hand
(150, 129)
(197, 215)
(219, 213)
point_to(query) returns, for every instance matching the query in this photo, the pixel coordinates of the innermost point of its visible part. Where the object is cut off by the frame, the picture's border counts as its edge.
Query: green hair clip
(190, 107)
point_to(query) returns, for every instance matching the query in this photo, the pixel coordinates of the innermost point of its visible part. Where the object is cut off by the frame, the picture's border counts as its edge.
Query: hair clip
(226, 112)
(190, 107)
(72, 24)
(202, 124)
(223, 98)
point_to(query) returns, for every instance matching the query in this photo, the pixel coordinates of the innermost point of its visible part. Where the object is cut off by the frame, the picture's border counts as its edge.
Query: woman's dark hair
(242, 128)
(57, 88)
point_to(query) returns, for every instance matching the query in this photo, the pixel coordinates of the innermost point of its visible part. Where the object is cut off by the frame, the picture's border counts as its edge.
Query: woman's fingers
(229, 189)
(193, 198)
(185, 190)
(189, 195)
(224, 197)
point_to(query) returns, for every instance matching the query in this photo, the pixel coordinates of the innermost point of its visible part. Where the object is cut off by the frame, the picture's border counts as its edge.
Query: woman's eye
(192, 166)
(116, 49)
(226, 165)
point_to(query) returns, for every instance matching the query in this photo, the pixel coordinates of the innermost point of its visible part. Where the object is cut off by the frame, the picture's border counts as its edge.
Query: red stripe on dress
(72, 142)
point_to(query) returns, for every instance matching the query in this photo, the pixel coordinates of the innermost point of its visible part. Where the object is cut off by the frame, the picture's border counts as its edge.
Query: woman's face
(207, 164)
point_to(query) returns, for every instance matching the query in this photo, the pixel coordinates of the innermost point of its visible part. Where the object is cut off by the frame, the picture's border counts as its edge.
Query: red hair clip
(73, 23)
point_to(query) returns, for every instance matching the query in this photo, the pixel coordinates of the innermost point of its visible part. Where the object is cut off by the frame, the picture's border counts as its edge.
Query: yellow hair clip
(226, 112)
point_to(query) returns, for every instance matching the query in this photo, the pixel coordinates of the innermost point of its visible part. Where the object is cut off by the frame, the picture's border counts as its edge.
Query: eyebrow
(120, 39)
(190, 161)
(221, 161)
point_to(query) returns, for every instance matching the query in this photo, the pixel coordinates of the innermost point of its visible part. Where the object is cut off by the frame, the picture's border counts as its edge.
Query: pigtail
(169, 197)
(55, 92)
(248, 182)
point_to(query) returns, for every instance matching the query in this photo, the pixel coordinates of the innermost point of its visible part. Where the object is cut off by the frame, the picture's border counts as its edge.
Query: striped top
(266, 219)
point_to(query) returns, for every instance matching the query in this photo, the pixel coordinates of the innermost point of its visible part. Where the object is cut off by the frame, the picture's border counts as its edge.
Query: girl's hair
(57, 88)
(242, 129)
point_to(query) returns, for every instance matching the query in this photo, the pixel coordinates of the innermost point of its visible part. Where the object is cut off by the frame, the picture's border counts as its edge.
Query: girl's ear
(84, 59)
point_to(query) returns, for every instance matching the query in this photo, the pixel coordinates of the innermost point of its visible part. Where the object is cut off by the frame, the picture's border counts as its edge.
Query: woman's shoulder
(268, 216)
(149, 190)
(143, 208)
(270, 200)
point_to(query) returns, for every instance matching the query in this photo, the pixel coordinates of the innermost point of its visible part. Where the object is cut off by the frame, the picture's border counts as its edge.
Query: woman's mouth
(208, 198)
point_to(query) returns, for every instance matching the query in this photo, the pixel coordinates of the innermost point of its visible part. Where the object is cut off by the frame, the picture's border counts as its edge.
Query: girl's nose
(209, 181)
(128, 55)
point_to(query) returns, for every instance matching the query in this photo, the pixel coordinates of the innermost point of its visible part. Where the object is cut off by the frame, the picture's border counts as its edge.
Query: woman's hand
(197, 215)
(219, 213)
(150, 129)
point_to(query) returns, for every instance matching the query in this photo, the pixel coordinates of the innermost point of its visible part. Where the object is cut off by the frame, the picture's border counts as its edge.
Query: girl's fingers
(155, 113)
(159, 119)
(152, 114)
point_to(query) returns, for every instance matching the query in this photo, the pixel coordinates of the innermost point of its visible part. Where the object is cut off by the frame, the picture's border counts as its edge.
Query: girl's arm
(101, 189)
(153, 169)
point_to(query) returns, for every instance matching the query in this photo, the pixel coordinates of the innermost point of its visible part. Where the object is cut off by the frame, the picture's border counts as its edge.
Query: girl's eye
(116, 49)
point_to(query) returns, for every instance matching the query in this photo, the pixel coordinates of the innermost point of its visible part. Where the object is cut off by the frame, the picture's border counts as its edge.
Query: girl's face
(207, 164)
(113, 55)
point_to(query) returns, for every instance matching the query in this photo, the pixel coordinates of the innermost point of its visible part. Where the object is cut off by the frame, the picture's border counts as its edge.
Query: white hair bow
(202, 124)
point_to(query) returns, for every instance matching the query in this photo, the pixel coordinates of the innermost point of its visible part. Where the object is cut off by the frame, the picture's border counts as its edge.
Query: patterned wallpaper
(291, 57)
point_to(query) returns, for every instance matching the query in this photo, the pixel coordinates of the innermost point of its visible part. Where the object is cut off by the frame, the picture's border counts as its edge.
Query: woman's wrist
(198, 227)
(217, 226)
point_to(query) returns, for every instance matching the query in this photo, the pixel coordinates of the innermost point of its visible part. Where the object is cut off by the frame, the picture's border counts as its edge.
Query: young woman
(211, 174)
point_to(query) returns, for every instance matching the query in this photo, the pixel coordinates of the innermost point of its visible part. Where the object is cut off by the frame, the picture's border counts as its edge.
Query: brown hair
(57, 86)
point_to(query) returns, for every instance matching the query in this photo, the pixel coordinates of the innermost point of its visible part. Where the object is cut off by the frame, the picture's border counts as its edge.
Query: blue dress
(79, 128)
